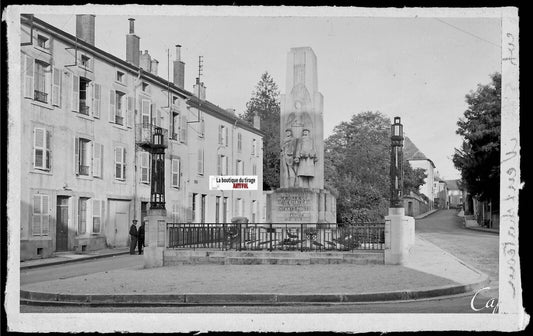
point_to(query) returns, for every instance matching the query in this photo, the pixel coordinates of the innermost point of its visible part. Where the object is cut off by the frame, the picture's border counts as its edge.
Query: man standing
(133, 236)
(141, 238)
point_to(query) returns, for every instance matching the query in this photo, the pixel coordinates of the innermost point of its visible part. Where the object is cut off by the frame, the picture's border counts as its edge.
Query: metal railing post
(301, 237)
(270, 232)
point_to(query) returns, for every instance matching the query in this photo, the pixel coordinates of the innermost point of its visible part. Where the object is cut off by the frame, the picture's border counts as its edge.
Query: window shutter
(183, 129)
(45, 223)
(117, 163)
(28, 77)
(48, 152)
(130, 112)
(190, 209)
(101, 160)
(97, 160)
(36, 216)
(227, 165)
(175, 173)
(75, 93)
(56, 87)
(227, 140)
(112, 110)
(123, 163)
(76, 155)
(220, 135)
(38, 148)
(219, 165)
(145, 167)
(97, 93)
(145, 106)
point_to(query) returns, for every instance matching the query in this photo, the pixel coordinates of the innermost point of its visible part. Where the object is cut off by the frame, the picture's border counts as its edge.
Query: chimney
(179, 69)
(85, 27)
(132, 45)
(146, 61)
(257, 121)
(154, 66)
(199, 89)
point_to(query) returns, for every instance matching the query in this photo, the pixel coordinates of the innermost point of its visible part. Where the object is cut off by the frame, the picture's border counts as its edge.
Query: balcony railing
(119, 120)
(147, 135)
(285, 237)
(41, 96)
(84, 170)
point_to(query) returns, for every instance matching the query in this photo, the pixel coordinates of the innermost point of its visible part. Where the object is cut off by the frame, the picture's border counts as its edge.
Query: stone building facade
(85, 117)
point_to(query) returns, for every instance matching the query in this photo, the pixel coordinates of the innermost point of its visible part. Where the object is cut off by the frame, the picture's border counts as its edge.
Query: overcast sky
(416, 68)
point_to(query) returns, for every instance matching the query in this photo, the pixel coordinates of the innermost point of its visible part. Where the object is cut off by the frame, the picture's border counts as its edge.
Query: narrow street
(476, 248)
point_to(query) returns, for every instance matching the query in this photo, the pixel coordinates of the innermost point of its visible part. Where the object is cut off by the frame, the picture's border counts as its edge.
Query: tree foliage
(265, 102)
(357, 167)
(478, 159)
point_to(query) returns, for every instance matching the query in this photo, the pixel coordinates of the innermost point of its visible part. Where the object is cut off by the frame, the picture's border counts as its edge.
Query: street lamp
(157, 196)
(396, 166)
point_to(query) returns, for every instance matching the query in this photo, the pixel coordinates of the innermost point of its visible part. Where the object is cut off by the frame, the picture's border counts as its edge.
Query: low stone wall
(181, 257)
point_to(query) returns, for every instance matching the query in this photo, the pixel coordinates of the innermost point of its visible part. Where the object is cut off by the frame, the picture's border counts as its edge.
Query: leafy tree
(265, 102)
(412, 178)
(478, 159)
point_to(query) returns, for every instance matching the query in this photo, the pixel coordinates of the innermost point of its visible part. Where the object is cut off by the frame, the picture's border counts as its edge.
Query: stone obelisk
(301, 197)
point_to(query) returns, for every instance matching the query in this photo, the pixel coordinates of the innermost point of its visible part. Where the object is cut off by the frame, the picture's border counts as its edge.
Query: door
(144, 211)
(62, 223)
(117, 233)
(410, 209)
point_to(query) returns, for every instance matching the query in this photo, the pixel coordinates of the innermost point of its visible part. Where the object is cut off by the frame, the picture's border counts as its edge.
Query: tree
(265, 102)
(412, 178)
(478, 159)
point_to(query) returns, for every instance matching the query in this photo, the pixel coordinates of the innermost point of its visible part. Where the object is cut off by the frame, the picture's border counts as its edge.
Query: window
(145, 112)
(240, 167)
(84, 97)
(193, 206)
(254, 147)
(222, 165)
(120, 77)
(82, 215)
(145, 167)
(120, 163)
(175, 126)
(175, 101)
(40, 215)
(145, 87)
(202, 213)
(120, 108)
(225, 210)
(217, 209)
(222, 135)
(82, 152)
(85, 61)
(119, 114)
(239, 142)
(98, 215)
(175, 171)
(42, 42)
(200, 161)
(41, 149)
(42, 81)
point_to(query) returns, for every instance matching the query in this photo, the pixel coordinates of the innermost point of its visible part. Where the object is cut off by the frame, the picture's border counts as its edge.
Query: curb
(425, 214)
(192, 299)
(89, 257)
(480, 229)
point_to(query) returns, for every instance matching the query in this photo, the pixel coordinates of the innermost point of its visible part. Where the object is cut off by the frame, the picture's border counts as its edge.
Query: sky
(417, 68)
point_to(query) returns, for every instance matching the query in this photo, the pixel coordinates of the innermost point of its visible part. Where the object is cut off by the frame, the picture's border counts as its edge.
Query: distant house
(415, 205)
(440, 193)
(417, 159)
(455, 194)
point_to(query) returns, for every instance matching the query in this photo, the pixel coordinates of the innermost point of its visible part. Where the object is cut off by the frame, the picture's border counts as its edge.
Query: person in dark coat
(141, 238)
(133, 237)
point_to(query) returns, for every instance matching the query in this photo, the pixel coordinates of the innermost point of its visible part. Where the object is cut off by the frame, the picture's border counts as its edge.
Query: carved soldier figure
(306, 157)
(288, 148)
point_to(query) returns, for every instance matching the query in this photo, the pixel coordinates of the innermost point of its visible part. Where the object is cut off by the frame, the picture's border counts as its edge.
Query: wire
(467, 32)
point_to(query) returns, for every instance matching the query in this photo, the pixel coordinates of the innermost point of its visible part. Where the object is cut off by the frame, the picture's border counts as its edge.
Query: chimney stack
(154, 66)
(179, 69)
(199, 89)
(132, 45)
(146, 61)
(85, 27)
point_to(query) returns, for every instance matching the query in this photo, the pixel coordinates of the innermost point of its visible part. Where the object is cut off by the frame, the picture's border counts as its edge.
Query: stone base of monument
(399, 236)
(300, 205)
(188, 257)
(155, 238)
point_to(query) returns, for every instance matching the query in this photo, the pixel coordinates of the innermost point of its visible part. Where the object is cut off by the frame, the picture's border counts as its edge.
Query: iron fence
(277, 236)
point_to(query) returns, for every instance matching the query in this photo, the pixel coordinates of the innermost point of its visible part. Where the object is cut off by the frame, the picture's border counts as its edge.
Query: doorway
(62, 223)
(119, 218)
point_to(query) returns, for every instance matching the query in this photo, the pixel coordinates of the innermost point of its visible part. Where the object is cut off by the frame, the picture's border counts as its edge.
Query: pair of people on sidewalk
(136, 237)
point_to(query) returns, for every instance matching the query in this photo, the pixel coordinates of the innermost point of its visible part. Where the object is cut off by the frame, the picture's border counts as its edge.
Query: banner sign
(232, 182)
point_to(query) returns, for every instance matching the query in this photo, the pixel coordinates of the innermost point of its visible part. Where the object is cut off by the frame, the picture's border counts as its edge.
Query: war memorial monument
(301, 197)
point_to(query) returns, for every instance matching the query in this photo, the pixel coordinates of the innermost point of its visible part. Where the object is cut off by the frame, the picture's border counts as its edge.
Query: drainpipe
(135, 196)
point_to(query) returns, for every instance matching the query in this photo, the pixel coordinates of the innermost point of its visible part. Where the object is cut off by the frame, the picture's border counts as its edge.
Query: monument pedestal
(155, 235)
(399, 236)
(301, 205)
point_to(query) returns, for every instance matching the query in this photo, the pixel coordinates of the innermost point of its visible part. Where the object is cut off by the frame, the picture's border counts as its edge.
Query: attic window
(120, 77)
(145, 87)
(84, 61)
(42, 42)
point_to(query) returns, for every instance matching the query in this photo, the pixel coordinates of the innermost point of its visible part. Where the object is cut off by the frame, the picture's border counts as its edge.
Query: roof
(453, 184)
(412, 153)
(68, 38)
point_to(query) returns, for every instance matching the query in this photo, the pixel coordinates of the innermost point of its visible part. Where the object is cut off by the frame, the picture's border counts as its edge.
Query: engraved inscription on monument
(294, 207)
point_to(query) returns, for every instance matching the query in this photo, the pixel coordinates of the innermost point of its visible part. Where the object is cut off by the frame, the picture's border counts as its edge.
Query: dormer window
(120, 77)
(84, 61)
(145, 87)
(42, 42)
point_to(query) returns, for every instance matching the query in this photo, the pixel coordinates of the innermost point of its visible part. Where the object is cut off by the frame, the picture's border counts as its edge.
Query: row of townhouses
(87, 117)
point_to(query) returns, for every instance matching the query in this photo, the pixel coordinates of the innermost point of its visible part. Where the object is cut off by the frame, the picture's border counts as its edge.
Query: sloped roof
(411, 152)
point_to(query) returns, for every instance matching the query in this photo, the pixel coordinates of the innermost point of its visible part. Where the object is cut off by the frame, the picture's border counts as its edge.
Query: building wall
(108, 203)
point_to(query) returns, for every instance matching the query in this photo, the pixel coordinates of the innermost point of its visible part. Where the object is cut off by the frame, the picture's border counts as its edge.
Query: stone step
(271, 261)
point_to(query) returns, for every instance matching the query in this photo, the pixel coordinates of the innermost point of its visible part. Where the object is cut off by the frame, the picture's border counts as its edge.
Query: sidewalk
(67, 257)
(472, 224)
(430, 272)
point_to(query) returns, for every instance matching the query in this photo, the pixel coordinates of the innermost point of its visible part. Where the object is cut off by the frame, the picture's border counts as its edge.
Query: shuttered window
(120, 163)
(175, 171)
(239, 142)
(98, 160)
(83, 203)
(41, 149)
(98, 215)
(56, 87)
(200, 161)
(40, 215)
(145, 167)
